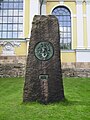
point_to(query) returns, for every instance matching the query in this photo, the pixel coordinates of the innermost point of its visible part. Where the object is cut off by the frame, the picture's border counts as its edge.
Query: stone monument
(43, 78)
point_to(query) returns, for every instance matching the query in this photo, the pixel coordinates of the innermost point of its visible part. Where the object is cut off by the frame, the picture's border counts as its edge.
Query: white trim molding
(88, 22)
(8, 48)
(80, 39)
(82, 55)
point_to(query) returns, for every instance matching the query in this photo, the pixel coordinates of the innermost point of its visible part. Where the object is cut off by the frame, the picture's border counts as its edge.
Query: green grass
(76, 107)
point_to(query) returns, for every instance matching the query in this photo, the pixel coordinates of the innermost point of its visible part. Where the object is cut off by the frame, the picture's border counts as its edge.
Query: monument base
(43, 78)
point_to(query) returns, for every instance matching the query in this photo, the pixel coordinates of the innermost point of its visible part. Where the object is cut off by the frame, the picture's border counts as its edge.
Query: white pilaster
(34, 10)
(44, 8)
(23, 17)
(61, 1)
(79, 8)
(88, 21)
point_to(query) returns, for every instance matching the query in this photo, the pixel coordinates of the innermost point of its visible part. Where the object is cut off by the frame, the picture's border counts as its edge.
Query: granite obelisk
(43, 78)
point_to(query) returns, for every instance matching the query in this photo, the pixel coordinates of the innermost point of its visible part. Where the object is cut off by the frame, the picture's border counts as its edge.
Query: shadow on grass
(65, 102)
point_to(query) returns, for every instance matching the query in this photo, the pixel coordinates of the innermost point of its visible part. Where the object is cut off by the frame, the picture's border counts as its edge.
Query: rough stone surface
(44, 28)
(77, 72)
(76, 65)
(12, 70)
(79, 69)
(12, 66)
(18, 70)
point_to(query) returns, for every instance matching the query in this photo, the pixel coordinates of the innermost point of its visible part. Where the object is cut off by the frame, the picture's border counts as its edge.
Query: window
(64, 18)
(11, 18)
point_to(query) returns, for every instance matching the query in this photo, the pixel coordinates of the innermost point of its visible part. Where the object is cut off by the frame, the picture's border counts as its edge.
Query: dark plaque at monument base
(43, 78)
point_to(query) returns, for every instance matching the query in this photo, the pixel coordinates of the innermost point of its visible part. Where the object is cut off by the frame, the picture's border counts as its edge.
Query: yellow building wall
(19, 51)
(85, 33)
(68, 57)
(84, 8)
(65, 56)
(50, 6)
(72, 6)
(74, 33)
(84, 26)
(0, 50)
(26, 18)
(22, 50)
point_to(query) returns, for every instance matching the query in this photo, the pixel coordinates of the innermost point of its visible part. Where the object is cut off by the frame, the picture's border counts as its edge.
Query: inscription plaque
(43, 77)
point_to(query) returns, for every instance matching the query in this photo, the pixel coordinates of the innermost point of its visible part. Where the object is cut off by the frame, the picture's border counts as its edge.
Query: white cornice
(61, 0)
(44, 2)
(88, 2)
(79, 8)
(79, 1)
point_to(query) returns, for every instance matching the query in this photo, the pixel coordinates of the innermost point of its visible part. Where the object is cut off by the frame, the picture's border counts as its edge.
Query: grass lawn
(76, 107)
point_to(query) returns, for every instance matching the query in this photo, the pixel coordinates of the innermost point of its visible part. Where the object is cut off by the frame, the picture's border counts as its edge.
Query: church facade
(16, 18)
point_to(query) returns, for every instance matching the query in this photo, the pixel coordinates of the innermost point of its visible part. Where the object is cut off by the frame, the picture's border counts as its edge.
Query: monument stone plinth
(43, 78)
